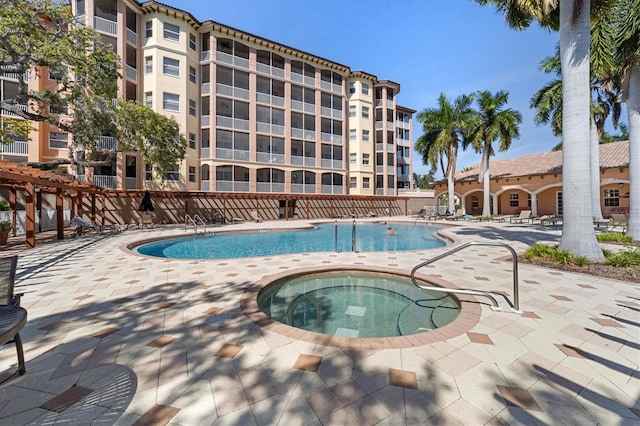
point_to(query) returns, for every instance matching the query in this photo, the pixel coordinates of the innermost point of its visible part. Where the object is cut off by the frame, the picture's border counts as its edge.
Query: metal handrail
(353, 237)
(482, 293)
(194, 222)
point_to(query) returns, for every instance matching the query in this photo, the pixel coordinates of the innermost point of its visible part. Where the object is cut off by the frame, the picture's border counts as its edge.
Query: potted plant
(5, 228)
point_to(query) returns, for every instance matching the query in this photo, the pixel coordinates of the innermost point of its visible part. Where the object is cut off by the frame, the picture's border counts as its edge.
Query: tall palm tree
(492, 122)
(627, 54)
(572, 18)
(444, 129)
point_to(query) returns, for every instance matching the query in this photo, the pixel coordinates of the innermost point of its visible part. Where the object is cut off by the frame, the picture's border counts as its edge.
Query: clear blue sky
(427, 46)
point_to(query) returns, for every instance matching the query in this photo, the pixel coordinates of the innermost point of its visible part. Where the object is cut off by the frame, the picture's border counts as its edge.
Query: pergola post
(14, 210)
(30, 220)
(59, 214)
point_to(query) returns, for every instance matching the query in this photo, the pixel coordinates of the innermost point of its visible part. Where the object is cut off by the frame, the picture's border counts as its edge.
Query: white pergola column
(534, 205)
(495, 204)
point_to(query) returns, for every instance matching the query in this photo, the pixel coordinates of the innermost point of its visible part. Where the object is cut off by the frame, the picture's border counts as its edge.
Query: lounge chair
(147, 221)
(524, 215)
(602, 223)
(255, 216)
(12, 317)
(83, 226)
(550, 220)
(619, 220)
(458, 215)
(371, 214)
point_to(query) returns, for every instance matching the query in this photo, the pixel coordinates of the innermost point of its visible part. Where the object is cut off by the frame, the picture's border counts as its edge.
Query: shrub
(6, 225)
(540, 250)
(614, 237)
(624, 258)
(4, 206)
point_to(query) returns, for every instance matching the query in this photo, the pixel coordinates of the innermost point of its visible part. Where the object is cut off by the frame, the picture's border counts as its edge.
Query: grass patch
(614, 237)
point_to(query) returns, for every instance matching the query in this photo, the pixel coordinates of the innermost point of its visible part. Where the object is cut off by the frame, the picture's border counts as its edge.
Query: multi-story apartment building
(259, 116)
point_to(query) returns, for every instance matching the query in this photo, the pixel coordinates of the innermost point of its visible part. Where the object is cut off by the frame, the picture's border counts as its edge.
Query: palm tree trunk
(486, 181)
(578, 234)
(451, 207)
(594, 157)
(633, 110)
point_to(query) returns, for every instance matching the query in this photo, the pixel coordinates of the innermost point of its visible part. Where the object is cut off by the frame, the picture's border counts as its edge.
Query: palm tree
(627, 54)
(492, 122)
(444, 129)
(572, 18)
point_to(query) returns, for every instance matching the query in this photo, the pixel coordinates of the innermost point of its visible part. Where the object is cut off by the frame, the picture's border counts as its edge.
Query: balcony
(132, 73)
(299, 78)
(297, 160)
(232, 186)
(233, 92)
(265, 157)
(332, 189)
(205, 120)
(205, 56)
(232, 154)
(303, 106)
(327, 163)
(105, 25)
(12, 114)
(335, 88)
(269, 70)
(328, 137)
(15, 75)
(234, 123)
(300, 188)
(17, 147)
(130, 183)
(106, 143)
(270, 187)
(330, 112)
(104, 181)
(132, 37)
(205, 153)
(265, 98)
(402, 125)
(205, 89)
(309, 135)
(204, 185)
(226, 58)
(272, 129)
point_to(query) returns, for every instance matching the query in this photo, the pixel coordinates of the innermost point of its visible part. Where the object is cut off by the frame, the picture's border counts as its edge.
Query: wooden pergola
(33, 183)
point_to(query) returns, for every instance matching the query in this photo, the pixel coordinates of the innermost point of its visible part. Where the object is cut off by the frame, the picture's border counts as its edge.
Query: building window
(171, 32)
(365, 112)
(352, 110)
(353, 158)
(352, 87)
(365, 159)
(171, 66)
(365, 89)
(148, 64)
(612, 197)
(148, 29)
(475, 202)
(192, 107)
(192, 42)
(148, 173)
(366, 183)
(172, 175)
(148, 99)
(514, 199)
(528, 200)
(192, 74)
(365, 136)
(170, 101)
(58, 140)
(192, 140)
(353, 134)
(192, 174)
(353, 182)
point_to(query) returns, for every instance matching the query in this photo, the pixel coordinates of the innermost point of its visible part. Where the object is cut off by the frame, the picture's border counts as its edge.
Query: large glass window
(148, 99)
(170, 101)
(171, 32)
(171, 66)
(192, 74)
(192, 42)
(192, 107)
(148, 64)
(58, 140)
(612, 197)
(148, 29)
(232, 48)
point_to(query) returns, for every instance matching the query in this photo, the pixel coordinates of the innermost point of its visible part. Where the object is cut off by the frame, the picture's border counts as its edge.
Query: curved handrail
(482, 293)
(195, 221)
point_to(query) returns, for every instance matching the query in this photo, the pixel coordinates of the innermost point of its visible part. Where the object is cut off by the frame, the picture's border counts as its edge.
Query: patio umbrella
(145, 205)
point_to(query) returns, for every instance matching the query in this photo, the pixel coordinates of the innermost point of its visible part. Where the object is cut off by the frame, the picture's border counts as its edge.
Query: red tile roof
(615, 154)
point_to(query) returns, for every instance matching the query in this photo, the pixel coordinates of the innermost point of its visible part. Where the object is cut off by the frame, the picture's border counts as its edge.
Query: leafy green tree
(423, 181)
(444, 128)
(492, 122)
(42, 36)
(572, 18)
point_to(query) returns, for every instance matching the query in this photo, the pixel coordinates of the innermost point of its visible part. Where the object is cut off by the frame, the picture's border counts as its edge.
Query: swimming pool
(369, 237)
(356, 304)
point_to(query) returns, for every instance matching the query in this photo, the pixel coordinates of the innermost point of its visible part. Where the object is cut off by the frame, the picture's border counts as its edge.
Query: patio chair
(83, 226)
(619, 220)
(12, 317)
(255, 216)
(457, 215)
(524, 215)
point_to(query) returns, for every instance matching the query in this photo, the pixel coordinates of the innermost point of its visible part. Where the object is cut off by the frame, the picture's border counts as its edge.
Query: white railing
(206, 87)
(379, 147)
(132, 73)
(132, 37)
(105, 25)
(379, 169)
(328, 137)
(390, 125)
(81, 178)
(331, 112)
(106, 143)
(205, 120)
(332, 189)
(335, 88)
(379, 124)
(205, 152)
(232, 154)
(15, 75)
(235, 123)
(300, 188)
(273, 129)
(303, 106)
(391, 191)
(265, 157)
(402, 125)
(270, 70)
(391, 170)
(13, 114)
(327, 163)
(232, 60)
(265, 98)
(309, 135)
(17, 147)
(205, 56)
(232, 186)
(269, 187)
(297, 160)
(234, 92)
(204, 185)
(105, 181)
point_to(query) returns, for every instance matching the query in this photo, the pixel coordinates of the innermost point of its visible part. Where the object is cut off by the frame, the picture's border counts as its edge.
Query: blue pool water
(357, 304)
(369, 237)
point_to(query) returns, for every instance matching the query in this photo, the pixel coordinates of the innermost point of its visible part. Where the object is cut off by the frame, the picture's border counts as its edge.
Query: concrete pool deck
(118, 338)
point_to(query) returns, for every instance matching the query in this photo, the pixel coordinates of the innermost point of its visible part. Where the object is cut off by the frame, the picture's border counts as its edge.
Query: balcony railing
(309, 135)
(331, 112)
(205, 120)
(235, 123)
(265, 98)
(105, 181)
(327, 163)
(335, 88)
(132, 37)
(328, 137)
(206, 87)
(298, 160)
(232, 154)
(232, 186)
(303, 106)
(106, 143)
(226, 58)
(13, 114)
(299, 78)
(17, 147)
(234, 92)
(205, 56)
(269, 187)
(269, 70)
(130, 183)
(273, 129)
(265, 157)
(332, 189)
(300, 188)
(105, 25)
(204, 185)
(132, 73)
(402, 125)
(15, 75)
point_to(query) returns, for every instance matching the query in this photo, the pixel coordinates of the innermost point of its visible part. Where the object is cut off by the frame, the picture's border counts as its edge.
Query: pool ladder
(195, 221)
(353, 237)
(515, 307)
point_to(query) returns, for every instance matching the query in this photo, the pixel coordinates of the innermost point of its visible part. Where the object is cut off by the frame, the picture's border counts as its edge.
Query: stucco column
(463, 203)
(495, 204)
(534, 205)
